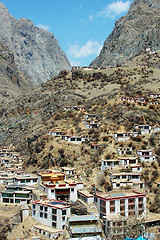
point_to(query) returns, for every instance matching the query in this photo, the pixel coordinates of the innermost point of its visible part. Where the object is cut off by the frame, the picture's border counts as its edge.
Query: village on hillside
(116, 198)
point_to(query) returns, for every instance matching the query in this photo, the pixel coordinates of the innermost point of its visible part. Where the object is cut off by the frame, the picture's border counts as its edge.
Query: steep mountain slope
(132, 34)
(37, 53)
(12, 80)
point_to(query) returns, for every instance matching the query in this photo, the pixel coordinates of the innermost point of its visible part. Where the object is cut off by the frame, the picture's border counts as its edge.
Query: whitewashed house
(124, 202)
(124, 151)
(146, 155)
(124, 136)
(144, 129)
(74, 139)
(52, 212)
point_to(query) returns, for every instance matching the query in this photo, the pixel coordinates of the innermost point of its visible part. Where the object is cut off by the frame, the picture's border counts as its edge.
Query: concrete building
(29, 179)
(123, 202)
(66, 190)
(52, 212)
(134, 176)
(83, 225)
(69, 171)
(15, 196)
(85, 196)
(120, 162)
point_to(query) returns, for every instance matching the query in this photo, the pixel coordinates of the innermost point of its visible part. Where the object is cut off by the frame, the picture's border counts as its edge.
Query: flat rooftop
(121, 193)
(85, 229)
(81, 218)
(52, 203)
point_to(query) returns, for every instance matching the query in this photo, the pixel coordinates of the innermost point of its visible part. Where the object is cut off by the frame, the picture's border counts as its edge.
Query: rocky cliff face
(36, 52)
(132, 34)
(12, 80)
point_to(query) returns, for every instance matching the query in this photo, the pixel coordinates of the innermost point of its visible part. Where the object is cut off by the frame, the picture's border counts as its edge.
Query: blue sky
(80, 26)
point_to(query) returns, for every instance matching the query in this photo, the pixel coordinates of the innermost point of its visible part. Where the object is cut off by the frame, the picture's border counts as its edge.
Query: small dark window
(54, 211)
(45, 215)
(41, 214)
(63, 212)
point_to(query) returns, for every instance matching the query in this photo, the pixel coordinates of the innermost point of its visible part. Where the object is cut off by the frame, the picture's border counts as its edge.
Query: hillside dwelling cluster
(54, 192)
(146, 155)
(124, 136)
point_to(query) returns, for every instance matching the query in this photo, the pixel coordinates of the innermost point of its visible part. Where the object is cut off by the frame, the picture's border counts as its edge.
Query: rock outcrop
(12, 80)
(36, 52)
(132, 34)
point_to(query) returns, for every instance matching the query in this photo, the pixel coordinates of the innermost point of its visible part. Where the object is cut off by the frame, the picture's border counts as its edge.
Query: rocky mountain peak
(132, 34)
(36, 52)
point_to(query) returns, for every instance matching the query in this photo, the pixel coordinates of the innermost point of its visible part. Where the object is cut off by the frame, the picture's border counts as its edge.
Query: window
(52, 191)
(130, 201)
(103, 203)
(63, 218)
(63, 212)
(33, 206)
(43, 233)
(28, 180)
(49, 235)
(17, 201)
(41, 208)
(72, 189)
(53, 224)
(54, 211)
(131, 214)
(45, 215)
(63, 226)
(118, 185)
(131, 207)
(112, 203)
(22, 181)
(122, 208)
(34, 212)
(39, 230)
(46, 209)
(112, 209)
(41, 214)
(54, 218)
(34, 180)
(140, 199)
(102, 209)
(122, 201)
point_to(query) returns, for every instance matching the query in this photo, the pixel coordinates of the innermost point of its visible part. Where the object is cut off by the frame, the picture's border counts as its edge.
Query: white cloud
(91, 18)
(45, 27)
(114, 9)
(91, 47)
